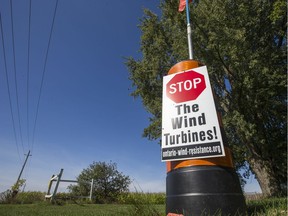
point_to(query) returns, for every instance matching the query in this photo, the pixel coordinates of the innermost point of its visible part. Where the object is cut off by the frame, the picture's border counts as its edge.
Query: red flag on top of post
(182, 5)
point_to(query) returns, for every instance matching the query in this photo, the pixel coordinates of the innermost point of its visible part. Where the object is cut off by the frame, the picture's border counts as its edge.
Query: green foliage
(29, 197)
(6, 197)
(143, 198)
(249, 53)
(18, 185)
(143, 203)
(109, 183)
(243, 44)
(9, 196)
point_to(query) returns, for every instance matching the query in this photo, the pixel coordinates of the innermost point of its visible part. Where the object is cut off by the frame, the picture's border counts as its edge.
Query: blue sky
(86, 112)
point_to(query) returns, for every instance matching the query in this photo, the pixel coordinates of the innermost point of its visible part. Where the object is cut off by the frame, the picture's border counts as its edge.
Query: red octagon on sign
(185, 86)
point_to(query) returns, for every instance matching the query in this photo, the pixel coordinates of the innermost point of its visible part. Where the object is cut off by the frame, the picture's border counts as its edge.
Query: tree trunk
(266, 177)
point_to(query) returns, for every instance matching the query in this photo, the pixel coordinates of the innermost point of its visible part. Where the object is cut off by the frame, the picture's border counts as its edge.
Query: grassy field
(274, 207)
(77, 210)
(140, 204)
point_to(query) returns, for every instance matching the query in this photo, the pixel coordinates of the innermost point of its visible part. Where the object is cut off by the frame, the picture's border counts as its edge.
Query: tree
(108, 182)
(16, 187)
(243, 44)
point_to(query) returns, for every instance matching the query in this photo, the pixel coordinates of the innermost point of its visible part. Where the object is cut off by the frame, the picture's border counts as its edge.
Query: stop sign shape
(185, 86)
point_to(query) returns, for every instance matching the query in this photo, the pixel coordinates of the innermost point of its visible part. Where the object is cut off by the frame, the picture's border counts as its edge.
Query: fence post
(91, 189)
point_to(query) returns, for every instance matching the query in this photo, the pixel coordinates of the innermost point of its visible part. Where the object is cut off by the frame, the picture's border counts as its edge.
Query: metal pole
(23, 167)
(189, 31)
(50, 184)
(57, 184)
(190, 46)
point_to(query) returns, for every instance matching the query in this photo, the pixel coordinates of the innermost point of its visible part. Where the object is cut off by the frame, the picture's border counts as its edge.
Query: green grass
(272, 206)
(65, 210)
(74, 210)
(139, 204)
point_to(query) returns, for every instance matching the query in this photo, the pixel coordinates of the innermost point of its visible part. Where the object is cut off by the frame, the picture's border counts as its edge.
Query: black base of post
(204, 190)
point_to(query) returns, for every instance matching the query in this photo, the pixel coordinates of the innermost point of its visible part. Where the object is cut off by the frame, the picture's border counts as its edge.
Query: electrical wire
(43, 73)
(26, 173)
(8, 88)
(13, 115)
(15, 75)
(28, 73)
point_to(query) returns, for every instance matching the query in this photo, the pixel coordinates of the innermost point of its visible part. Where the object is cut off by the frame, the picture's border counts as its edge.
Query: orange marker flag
(182, 5)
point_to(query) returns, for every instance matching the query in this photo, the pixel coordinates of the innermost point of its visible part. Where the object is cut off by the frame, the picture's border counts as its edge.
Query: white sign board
(190, 127)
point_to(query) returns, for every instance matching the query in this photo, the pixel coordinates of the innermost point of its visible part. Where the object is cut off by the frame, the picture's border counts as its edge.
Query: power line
(15, 75)
(8, 87)
(28, 73)
(44, 71)
(30, 139)
(27, 88)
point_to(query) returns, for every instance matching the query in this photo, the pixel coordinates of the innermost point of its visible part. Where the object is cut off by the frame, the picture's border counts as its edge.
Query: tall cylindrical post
(208, 186)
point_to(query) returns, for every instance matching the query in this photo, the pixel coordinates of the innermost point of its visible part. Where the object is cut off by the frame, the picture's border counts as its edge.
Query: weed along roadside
(201, 178)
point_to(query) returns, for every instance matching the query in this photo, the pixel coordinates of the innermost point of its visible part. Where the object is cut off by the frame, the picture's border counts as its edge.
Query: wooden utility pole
(23, 168)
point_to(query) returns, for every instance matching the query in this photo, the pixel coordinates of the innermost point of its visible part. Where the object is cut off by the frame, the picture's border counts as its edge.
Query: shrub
(6, 197)
(109, 183)
(10, 197)
(29, 197)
